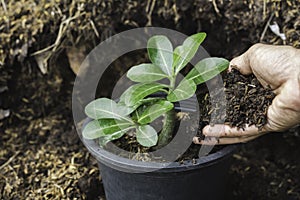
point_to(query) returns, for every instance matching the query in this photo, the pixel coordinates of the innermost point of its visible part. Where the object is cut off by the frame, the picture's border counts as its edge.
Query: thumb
(241, 63)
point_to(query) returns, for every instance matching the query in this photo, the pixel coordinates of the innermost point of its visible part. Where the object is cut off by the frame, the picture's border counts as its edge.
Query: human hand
(277, 67)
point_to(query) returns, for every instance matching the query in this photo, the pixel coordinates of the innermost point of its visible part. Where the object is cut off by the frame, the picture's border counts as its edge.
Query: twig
(266, 28)
(216, 7)
(149, 10)
(7, 19)
(60, 189)
(58, 10)
(9, 161)
(148, 6)
(62, 28)
(177, 16)
(4, 6)
(94, 28)
(43, 50)
(264, 9)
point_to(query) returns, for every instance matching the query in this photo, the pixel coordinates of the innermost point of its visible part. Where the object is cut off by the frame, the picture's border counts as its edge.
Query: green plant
(135, 109)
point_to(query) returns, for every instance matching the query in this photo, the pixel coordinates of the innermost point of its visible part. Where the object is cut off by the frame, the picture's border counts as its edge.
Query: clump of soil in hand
(247, 102)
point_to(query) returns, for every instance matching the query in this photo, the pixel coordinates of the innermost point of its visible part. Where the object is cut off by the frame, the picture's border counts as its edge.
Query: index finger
(222, 130)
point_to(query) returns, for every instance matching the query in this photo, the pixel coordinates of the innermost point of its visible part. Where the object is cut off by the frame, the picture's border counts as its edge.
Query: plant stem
(172, 84)
(166, 133)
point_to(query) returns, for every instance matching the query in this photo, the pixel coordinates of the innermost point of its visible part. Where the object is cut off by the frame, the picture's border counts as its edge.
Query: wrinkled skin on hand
(277, 67)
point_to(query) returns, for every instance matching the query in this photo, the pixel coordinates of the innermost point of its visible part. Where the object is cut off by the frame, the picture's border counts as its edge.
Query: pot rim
(135, 166)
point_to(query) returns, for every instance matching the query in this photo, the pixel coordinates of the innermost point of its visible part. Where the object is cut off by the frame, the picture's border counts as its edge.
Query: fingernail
(197, 140)
(233, 62)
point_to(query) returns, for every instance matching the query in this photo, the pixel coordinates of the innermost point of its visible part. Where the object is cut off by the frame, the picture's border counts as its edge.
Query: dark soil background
(41, 156)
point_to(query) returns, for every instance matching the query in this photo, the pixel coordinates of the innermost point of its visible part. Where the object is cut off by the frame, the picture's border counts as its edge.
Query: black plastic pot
(207, 179)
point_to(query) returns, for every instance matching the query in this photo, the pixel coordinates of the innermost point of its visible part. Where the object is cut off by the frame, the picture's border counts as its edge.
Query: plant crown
(135, 109)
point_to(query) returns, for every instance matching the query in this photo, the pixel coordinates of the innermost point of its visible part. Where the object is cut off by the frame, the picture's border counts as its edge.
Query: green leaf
(155, 110)
(145, 73)
(206, 69)
(137, 92)
(183, 54)
(146, 135)
(184, 90)
(104, 140)
(160, 52)
(104, 127)
(149, 100)
(104, 108)
(131, 109)
(142, 104)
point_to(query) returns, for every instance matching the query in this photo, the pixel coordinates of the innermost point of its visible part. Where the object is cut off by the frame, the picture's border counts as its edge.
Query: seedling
(136, 110)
